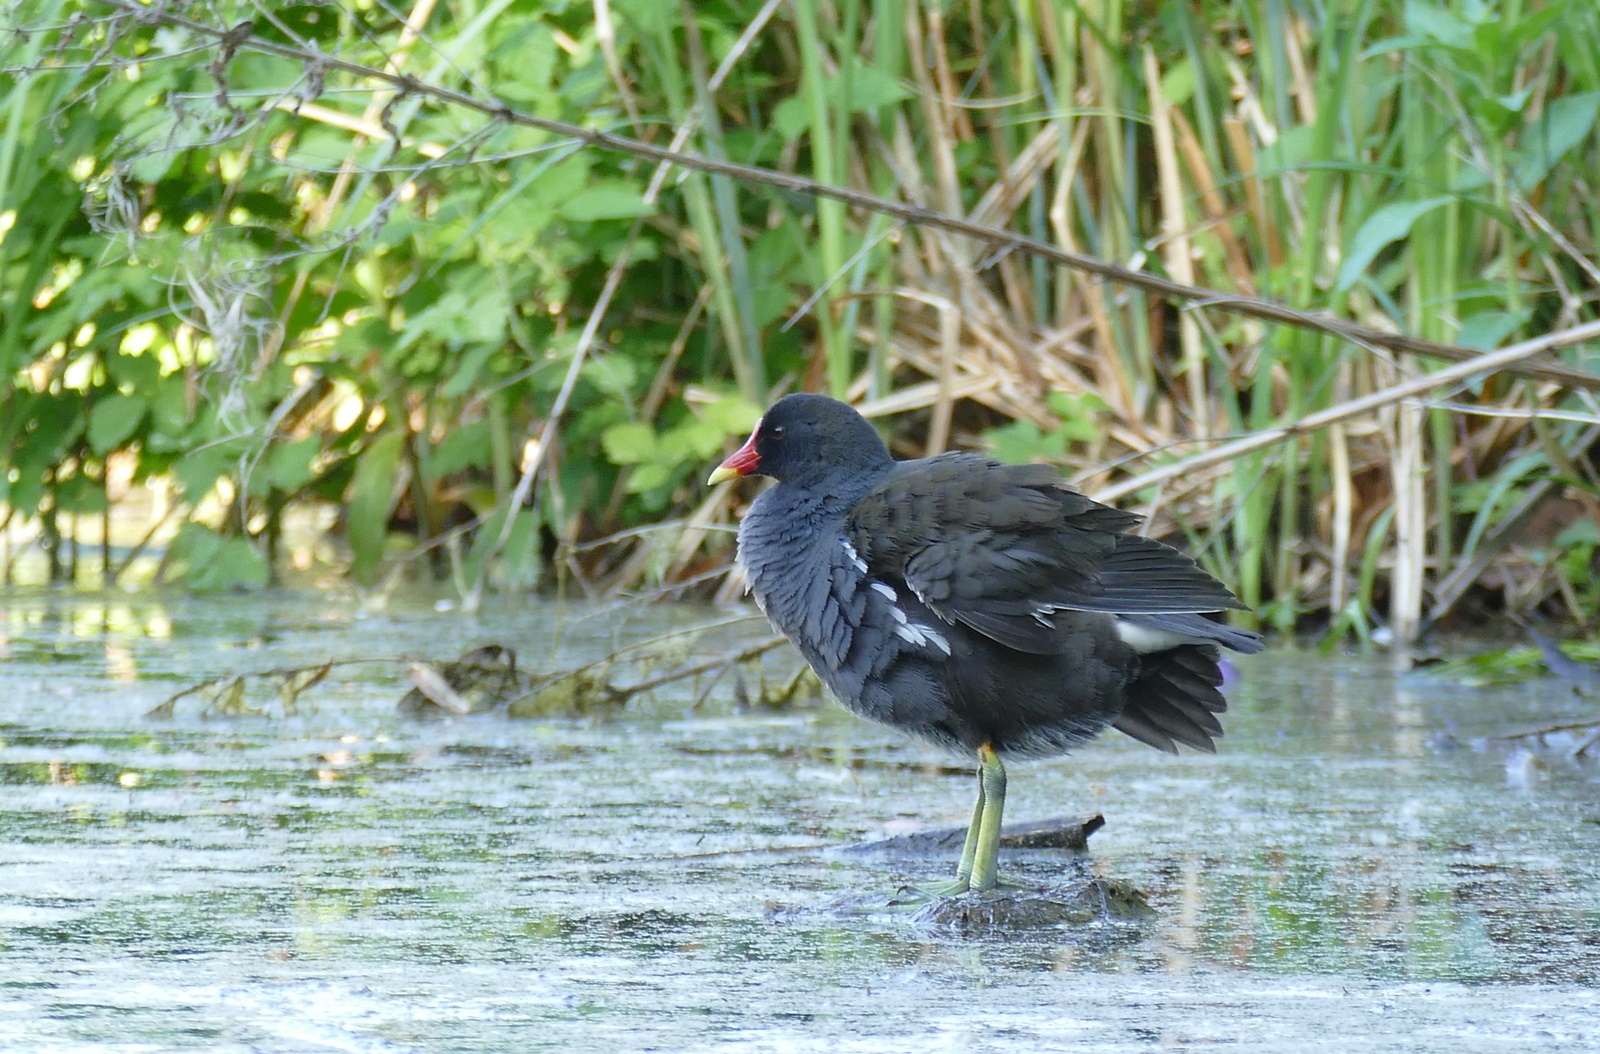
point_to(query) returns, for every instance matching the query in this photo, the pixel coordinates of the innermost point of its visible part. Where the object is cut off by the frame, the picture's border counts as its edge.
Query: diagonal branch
(1002, 240)
(1479, 364)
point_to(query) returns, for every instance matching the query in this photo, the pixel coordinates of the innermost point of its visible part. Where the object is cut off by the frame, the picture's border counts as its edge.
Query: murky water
(342, 879)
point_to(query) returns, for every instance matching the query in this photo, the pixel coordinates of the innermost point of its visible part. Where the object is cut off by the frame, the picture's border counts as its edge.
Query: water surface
(341, 879)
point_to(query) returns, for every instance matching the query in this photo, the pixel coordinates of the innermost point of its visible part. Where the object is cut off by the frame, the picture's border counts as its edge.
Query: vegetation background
(248, 289)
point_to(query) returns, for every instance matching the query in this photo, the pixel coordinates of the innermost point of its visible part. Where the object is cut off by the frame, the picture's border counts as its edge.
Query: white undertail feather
(1145, 640)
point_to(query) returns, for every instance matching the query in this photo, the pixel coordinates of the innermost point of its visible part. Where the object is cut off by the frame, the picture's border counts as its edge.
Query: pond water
(1355, 870)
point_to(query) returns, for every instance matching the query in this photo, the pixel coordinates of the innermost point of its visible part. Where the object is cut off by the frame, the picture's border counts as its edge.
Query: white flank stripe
(922, 636)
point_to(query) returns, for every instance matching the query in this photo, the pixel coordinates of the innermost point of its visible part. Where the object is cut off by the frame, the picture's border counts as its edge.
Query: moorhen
(983, 606)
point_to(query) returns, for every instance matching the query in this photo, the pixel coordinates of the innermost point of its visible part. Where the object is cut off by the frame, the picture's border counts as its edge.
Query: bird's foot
(956, 887)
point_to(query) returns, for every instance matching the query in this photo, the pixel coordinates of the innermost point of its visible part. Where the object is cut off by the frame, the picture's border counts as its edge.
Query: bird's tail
(1175, 699)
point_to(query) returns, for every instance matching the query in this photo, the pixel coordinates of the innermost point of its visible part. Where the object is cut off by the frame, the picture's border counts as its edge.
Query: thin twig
(1545, 730)
(744, 654)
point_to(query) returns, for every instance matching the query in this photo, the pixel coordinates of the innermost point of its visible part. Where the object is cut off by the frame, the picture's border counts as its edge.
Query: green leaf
(371, 491)
(467, 371)
(733, 416)
(873, 89)
(136, 372)
(473, 311)
(79, 495)
(1292, 149)
(199, 470)
(614, 374)
(169, 408)
(1438, 25)
(1388, 224)
(289, 464)
(1487, 330)
(1078, 413)
(648, 477)
(1021, 442)
(1178, 83)
(790, 118)
(629, 443)
(693, 440)
(607, 200)
(210, 562)
(870, 89)
(113, 418)
(1566, 123)
(1579, 532)
(465, 446)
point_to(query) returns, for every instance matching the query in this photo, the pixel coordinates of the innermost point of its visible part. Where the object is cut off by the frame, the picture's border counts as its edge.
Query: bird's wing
(1001, 548)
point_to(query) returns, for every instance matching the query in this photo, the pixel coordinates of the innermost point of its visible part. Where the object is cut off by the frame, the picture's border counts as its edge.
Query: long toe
(942, 890)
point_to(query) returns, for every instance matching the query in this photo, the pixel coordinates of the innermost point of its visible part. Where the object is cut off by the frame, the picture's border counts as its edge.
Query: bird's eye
(775, 432)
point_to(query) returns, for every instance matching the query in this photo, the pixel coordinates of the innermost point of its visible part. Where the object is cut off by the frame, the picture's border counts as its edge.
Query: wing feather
(1000, 548)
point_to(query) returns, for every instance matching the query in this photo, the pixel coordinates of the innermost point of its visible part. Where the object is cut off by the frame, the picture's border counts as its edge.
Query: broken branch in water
(228, 699)
(1584, 746)
(486, 678)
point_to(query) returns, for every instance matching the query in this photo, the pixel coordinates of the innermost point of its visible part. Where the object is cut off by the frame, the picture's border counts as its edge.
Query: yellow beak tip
(722, 473)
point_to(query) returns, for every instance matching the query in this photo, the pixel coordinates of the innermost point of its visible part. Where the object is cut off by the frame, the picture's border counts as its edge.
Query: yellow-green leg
(981, 850)
(986, 848)
(969, 848)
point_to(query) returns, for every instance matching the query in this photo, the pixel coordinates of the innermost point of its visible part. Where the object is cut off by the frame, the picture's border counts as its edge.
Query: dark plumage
(983, 606)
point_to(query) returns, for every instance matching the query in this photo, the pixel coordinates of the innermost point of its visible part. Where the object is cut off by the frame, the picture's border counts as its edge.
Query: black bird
(983, 606)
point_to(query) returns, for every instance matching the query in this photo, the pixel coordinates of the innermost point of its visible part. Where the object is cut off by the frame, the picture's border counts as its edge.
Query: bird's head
(806, 440)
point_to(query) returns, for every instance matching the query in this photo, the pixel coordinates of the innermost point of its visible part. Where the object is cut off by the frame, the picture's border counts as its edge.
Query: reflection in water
(342, 878)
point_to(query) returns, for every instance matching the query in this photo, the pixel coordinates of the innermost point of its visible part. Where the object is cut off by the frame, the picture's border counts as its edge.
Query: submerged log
(1061, 832)
(1076, 903)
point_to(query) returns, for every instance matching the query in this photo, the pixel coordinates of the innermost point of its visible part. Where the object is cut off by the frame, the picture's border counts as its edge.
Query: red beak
(741, 463)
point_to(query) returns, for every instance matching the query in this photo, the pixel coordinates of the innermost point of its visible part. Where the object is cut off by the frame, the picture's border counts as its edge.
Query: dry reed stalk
(605, 33)
(992, 393)
(1218, 214)
(1174, 227)
(1113, 386)
(943, 406)
(1023, 400)
(1244, 153)
(1000, 202)
(1343, 499)
(924, 395)
(1487, 363)
(1304, 84)
(1410, 523)
(936, 113)
(953, 116)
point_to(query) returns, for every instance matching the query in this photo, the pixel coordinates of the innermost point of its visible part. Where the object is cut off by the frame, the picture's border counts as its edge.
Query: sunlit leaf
(628, 443)
(114, 418)
(610, 200)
